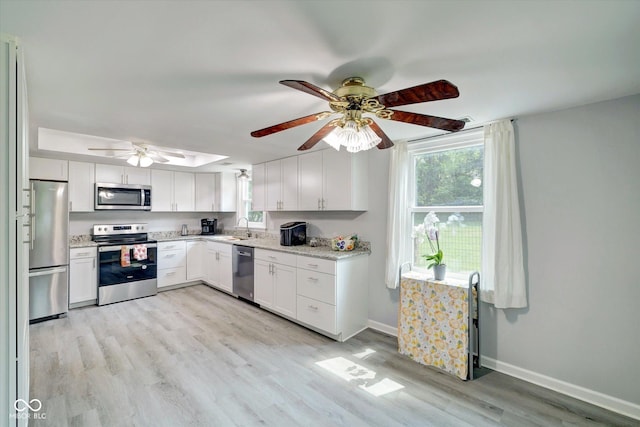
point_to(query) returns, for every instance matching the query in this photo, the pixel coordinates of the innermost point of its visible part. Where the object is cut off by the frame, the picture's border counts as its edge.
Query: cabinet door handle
(70, 206)
(319, 203)
(323, 203)
(270, 268)
(94, 263)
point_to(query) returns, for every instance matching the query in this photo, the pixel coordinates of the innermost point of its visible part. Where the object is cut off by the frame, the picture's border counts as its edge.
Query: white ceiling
(201, 75)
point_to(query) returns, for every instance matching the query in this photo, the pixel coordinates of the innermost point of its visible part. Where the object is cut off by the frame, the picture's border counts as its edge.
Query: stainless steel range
(127, 262)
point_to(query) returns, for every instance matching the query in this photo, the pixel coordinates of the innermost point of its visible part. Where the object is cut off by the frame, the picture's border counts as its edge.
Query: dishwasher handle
(241, 253)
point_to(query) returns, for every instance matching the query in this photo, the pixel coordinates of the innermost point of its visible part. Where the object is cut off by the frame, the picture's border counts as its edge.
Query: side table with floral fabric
(433, 323)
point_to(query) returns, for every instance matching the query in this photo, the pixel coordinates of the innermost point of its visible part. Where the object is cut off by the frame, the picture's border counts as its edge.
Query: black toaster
(293, 233)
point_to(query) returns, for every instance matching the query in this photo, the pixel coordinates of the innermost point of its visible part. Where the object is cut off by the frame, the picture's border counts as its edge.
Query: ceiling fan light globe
(333, 139)
(145, 161)
(133, 160)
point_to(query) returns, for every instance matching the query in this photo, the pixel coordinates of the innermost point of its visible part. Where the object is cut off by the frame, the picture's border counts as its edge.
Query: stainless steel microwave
(122, 197)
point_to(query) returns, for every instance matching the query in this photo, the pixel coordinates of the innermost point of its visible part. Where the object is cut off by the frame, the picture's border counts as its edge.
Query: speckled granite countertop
(266, 242)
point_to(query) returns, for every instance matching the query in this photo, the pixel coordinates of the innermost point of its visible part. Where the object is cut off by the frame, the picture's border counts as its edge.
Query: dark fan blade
(286, 125)
(311, 89)
(386, 142)
(316, 137)
(433, 91)
(430, 121)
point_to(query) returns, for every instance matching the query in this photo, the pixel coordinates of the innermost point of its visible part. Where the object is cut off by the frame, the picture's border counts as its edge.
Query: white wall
(580, 181)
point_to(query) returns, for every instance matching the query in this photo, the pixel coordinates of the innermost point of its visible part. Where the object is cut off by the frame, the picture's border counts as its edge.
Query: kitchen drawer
(171, 259)
(172, 276)
(319, 286)
(169, 246)
(317, 314)
(89, 252)
(316, 264)
(276, 257)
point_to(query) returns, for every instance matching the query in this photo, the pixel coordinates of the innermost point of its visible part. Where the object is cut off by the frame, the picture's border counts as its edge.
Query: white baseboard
(605, 401)
(381, 327)
(611, 403)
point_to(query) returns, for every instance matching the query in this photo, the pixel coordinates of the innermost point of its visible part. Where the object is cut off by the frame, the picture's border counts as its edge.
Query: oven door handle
(119, 247)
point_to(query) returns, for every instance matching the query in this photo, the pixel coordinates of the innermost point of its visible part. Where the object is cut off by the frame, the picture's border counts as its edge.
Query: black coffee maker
(209, 225)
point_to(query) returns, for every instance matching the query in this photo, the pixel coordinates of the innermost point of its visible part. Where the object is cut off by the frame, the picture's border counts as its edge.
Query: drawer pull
(171, 273)
(272, 257)
(170, 255)
(313, 307)
(313, 265)
(313, 279)
(83, 254)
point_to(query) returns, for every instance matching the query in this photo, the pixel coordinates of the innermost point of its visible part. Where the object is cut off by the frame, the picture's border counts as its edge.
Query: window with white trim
(256, 218)
(446, 178)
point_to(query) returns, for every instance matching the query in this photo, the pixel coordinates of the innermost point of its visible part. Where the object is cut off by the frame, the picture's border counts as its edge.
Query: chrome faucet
(246, 219)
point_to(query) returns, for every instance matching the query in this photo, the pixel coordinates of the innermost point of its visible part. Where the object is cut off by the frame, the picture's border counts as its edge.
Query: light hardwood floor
(196, 356)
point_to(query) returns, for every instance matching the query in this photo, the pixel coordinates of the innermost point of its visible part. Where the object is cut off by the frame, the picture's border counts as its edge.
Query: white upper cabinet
(281, 177)
(122, 174)
(216, 192)
(53, 169)
(310, 178)
(205, 192)
(172, 191)
(258, 187)
(273, 185)
(81, 186)
(184, 191)
(161, 191)
(333, 180)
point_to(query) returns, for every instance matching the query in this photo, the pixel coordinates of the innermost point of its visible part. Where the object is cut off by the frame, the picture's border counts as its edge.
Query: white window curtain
(397, 217)
(503, 282)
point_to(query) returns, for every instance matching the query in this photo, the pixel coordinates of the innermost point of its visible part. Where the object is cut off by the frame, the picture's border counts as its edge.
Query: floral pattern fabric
(433, 323)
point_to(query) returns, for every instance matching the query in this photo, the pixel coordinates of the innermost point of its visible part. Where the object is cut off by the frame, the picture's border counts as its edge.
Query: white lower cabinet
(196, 251)
(317, 314)
(219, 269)
(172, 263)
(332, 296)
(275, 281)
(83, 275)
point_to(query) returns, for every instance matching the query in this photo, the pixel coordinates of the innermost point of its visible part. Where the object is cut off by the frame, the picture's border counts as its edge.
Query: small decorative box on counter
(347, 243)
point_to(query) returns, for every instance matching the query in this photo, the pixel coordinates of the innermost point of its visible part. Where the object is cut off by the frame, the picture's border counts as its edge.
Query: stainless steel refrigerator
(49, 249)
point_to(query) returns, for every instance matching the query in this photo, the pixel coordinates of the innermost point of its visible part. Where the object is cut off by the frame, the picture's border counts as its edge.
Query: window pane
(460, 241)
(449, 178)
(256, 216)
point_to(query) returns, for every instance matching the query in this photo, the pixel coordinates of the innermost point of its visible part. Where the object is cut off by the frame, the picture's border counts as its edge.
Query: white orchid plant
(429, 229)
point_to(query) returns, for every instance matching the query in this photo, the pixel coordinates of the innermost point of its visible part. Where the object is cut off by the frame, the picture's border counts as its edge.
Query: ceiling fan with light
(353, 99)
(142, 155)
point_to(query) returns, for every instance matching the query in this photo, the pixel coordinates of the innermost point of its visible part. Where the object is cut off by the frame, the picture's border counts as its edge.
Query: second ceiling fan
(354, 98)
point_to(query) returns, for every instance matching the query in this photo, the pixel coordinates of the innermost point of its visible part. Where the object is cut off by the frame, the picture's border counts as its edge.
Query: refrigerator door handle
(32, 220)
(47, 272)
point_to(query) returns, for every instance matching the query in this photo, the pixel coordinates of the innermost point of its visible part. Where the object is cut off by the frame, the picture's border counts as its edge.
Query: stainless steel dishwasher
(243, 271)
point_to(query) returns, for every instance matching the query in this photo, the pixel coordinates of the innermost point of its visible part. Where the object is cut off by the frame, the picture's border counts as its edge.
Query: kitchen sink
(233, 238)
